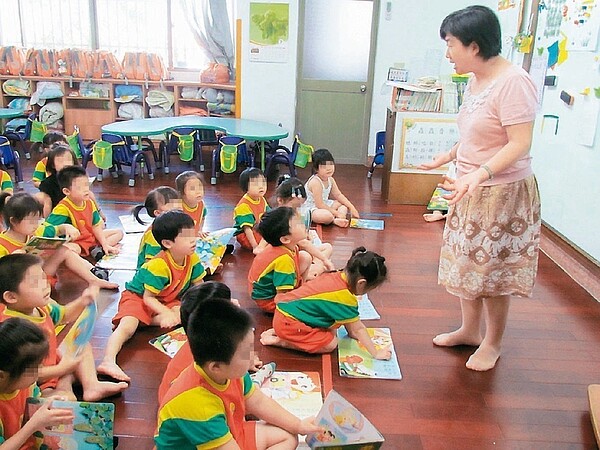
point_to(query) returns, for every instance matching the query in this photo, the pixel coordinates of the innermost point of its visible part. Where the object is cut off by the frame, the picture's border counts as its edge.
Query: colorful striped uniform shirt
(8, 245)
(84, 218)
(149, 247)
(47, 318)
(166, 279)
(12, 412)
(324, 302)
(40, 173)
(274, 269)
(198, 214)
(6, 183)
(248, 212)
(197, 413)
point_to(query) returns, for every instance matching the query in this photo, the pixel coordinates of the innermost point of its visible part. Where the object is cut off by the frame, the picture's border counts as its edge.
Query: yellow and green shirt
(274, 269)
(197, 413)
(6, 183)
(324, 302)
(8, 245)
(40, 172)
(198, 214)
(248, 212)
(149, 247)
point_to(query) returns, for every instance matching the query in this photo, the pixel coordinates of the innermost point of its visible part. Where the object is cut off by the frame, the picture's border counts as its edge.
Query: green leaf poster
(269, 31)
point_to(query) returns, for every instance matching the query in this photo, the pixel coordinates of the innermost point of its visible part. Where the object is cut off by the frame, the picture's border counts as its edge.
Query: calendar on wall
(422, 138)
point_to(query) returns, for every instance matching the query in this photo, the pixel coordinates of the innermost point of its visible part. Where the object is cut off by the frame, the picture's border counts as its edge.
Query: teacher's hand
(438, 160)
(460, 187)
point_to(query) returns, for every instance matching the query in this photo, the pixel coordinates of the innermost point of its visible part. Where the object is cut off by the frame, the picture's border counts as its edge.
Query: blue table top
(247, 129)
(8, 113)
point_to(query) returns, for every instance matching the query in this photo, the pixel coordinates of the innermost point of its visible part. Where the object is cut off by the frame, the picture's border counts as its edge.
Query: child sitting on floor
(23, 347)
(79, 210)
(158, 200)
(191, 190)
(152, 296)
(320, 187)
(205, 407)
(40, 172)
(306, 318)
(191, 300)
(250, 208)
(25, 293)
(22, 215)
(281, 266)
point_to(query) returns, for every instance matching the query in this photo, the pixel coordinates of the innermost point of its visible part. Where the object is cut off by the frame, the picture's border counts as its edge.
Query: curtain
(209, 22)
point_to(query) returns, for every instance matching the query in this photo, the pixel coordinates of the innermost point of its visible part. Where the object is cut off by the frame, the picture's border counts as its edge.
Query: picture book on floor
(366, 310)
(356, 362)
(438, 202)
(127, 257)
(92, 427)
(41, 246)
(344, 427)
(367, 224)
(81, 332)
(169, 343)
(297, 392)
(212, 248)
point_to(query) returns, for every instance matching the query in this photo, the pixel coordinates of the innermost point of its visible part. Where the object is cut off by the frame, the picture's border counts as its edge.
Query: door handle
(363, 88)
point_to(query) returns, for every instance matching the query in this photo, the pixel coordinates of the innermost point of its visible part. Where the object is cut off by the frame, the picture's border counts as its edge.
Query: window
(116, 25)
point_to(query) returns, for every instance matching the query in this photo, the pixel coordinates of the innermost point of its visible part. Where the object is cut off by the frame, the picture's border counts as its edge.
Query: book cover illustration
(366, 310)
(169, 343)
(81, 332)
(367, 224)
(212, 248)
(92, 427)
(127, 257)
(356, 362)
(39, 245)
(438, 202)
(130, 225)
(297, 392)
(344, 427)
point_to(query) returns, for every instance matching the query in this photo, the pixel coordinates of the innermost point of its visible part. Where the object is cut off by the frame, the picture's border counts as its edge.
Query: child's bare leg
(469, 332)
(63, 389)
(314, 270)
(113, 236)
(82, 268)
(56, 258)
(269, 337)
(73, 246)
(326, 249)
(270, 437)
(322, 216)
(496, 313)
(119, 336)
(304, 262)
(94, 390)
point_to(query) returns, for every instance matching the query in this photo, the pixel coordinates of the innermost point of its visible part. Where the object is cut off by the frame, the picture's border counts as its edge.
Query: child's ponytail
(154, 200)
(367, 265)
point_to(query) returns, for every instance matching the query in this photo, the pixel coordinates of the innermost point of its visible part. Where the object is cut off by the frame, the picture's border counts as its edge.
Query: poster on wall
(269, 32)
(510, 15)
(581, 24)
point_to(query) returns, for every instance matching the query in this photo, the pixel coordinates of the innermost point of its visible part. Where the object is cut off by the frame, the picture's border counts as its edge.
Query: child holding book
(281, 265)
(79, 210)
(152, 296)
(325, 201)
(191, 190)
(306, 319)
(40, 172)
(23, 347)
(25, 293)
(192, 299)
(206, 405)
(250, 208)
(22, 215)
(158, 200)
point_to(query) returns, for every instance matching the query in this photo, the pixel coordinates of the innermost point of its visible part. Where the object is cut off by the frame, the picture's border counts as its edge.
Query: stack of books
(412, 97)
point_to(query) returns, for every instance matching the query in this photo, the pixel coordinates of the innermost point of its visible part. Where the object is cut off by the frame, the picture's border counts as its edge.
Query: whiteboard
(419, 139)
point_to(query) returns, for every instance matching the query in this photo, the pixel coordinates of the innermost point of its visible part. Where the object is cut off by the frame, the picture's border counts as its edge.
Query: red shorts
(245, 243)
(86, 244)
(266, 305)
(249, 435)
(309, 339)
(132, 304)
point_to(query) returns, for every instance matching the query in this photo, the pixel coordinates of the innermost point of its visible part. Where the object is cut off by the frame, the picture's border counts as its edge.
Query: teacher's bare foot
(483, 359)
(458, 337)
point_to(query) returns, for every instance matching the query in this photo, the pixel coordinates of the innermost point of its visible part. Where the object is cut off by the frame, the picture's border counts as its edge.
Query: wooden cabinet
(89, 109)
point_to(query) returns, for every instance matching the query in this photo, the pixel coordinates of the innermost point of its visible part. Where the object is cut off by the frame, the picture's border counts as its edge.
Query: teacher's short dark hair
(477, 24)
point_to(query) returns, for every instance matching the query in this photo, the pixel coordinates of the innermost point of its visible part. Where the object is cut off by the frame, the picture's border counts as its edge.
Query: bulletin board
(423, 138)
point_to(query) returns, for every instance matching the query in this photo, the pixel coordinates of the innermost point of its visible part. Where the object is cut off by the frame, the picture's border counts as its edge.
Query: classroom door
(336, 75)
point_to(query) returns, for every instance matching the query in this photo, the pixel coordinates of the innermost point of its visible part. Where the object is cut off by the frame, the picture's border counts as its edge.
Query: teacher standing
(492, 232)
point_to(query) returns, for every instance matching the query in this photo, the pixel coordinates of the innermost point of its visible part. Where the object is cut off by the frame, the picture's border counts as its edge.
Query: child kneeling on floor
(205, 407)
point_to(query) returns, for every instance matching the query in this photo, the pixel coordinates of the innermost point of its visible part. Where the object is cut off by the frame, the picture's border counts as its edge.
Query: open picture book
(81, 332)
(169, 343)
(367, 224)
(92, 427)
(345, 427)
(39, 245)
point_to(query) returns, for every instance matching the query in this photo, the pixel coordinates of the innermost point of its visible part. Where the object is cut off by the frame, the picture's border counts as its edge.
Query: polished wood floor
(536, 397)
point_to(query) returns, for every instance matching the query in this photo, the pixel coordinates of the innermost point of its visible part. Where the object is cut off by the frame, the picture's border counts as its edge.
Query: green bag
(102, 156)
(303, 155)
(229, 158)
(185, 147)
(38, 131)
(73, 141)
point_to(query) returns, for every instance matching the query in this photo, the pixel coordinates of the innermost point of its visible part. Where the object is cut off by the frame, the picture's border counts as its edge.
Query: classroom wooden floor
(535, 398)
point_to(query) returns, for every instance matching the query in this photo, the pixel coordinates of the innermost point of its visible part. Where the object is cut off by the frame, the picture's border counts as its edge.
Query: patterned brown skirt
(491, 242)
